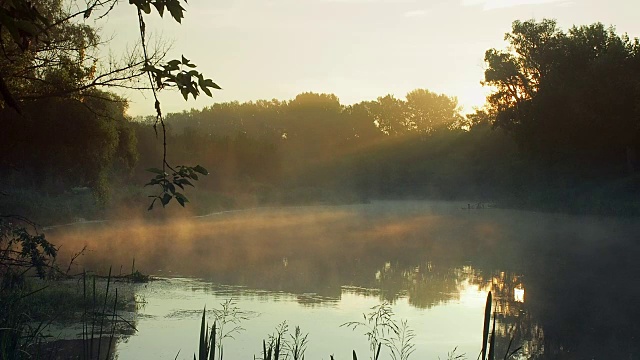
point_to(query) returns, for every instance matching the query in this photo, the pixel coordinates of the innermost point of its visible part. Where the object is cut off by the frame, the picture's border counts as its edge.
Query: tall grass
(489, 338)
(380, 327)
(378, 324)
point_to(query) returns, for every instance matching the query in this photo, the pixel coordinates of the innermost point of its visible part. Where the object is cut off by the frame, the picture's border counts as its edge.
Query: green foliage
(175, 74)
(229, 318)
(58, 144)
(206, 345)
(21, 251)
(430, 112)
(173, 6)
(401, 344)
(179, 74)
(283, 345)
(271, 352)
(62, 65)
(225, 326)
(379, 326)
(23, 21)
(569, 98)
(179, 178)
(53, 54)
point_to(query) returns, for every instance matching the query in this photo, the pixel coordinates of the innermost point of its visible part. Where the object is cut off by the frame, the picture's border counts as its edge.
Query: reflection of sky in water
(170, 322)
(326, 265)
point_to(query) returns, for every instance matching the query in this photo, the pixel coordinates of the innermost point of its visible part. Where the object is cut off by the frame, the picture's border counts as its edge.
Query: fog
(577, 271)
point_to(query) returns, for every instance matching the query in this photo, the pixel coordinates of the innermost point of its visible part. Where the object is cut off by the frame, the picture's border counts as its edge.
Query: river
(564, 286)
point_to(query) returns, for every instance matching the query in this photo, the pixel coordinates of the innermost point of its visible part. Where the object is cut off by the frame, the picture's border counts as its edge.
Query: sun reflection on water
(518, 294)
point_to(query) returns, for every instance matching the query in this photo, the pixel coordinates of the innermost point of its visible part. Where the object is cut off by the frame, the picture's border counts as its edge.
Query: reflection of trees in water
(515, 323)
(425, 285)
(586, 298)
(430, 284)
(580, 272)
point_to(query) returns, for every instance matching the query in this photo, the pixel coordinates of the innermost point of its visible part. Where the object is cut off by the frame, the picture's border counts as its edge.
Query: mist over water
(563, 284)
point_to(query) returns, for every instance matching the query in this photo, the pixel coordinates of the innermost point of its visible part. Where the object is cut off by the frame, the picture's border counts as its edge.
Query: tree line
(383, 148)
(560, 131)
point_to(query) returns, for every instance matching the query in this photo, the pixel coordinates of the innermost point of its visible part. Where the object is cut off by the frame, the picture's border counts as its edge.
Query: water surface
(564, 285)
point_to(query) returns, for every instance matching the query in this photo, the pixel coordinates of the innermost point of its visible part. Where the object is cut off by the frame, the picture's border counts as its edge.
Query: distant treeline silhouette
(560, 131)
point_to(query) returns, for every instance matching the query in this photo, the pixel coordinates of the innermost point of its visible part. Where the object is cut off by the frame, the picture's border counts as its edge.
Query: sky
(356, 49)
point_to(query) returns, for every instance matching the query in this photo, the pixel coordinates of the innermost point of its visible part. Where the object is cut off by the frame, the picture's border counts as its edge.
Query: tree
(390, 115)
(59, 143)
(314, 117)
(429, 112)
(569, 98)
(516, 74)
(48, 53)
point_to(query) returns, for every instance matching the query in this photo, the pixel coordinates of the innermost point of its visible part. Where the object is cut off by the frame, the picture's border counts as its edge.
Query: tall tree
(429, 111)
(48, 53)
(390, 115)
(570, 98)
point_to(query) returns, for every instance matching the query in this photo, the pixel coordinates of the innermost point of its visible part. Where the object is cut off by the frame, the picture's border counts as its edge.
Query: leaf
(180, 196)
(201, 170)
(184, 182)
(165, 199)
(210, 83)
(203, 338)
(180, 201)
(156, 171)
(160, 7)
(146, 7)
(175, 9)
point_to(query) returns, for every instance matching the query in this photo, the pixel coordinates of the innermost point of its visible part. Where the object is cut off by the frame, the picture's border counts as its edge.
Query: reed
(103, 317)
(380, 328)
(379, 324)
(489, 339)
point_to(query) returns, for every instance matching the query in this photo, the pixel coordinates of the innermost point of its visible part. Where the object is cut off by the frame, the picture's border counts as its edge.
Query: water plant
(298, 344)
(282, 345)
(379, 324)
(401, 344)
(272, 352)
(453, 356)
(228, 319)
(22, 252)
(207, 343)
(488, 351)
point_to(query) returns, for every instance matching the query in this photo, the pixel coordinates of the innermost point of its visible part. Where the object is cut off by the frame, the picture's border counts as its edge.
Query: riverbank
(617, 198)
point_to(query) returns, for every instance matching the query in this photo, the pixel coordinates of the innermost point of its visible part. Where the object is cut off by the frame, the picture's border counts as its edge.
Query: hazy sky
(356, 49)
